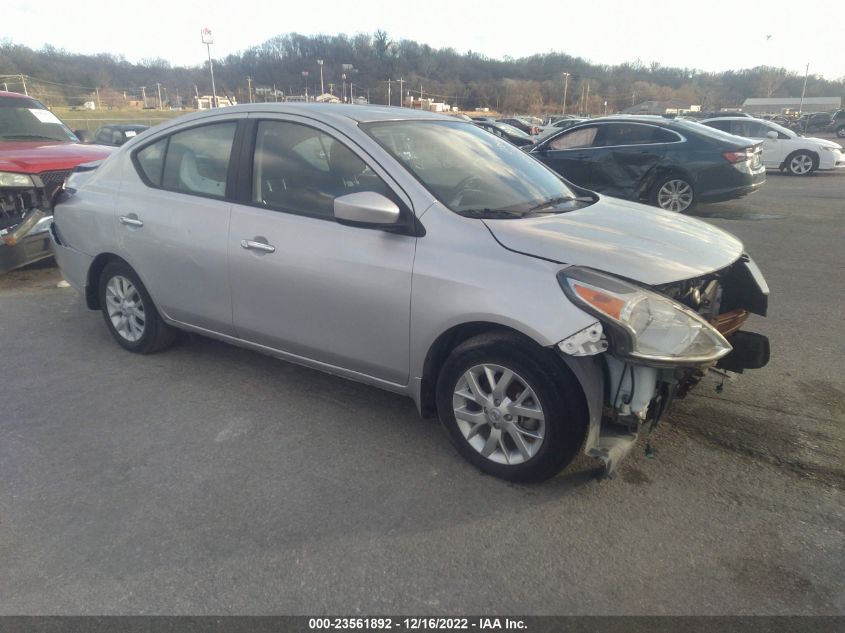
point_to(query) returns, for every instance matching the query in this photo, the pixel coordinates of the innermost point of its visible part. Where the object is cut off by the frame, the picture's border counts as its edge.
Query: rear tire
(512, 413)
(673, 193)
(840, 131)
(130, 313)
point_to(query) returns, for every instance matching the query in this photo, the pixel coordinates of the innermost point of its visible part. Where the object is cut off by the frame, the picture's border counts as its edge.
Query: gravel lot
(212, 480)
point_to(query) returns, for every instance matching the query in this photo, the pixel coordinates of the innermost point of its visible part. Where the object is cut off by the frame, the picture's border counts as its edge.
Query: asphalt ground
(213, 480)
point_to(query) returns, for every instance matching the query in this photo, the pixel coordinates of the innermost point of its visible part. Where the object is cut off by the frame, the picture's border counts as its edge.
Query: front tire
(840, 131)
(512, 413)
(673, 193)
(801, 164)
(129, 312)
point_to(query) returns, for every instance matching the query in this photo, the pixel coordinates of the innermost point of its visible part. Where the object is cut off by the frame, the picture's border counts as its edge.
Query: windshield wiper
(551, 202)
(491, 214)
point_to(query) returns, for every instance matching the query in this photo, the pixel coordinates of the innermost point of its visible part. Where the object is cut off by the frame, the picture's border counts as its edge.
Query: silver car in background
(420, 254)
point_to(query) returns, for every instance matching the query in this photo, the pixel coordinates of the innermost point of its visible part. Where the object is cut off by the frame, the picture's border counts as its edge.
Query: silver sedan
(420, 254)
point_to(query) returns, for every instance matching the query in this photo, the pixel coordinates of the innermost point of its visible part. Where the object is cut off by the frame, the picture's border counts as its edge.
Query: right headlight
(11, 179)
(642, 324)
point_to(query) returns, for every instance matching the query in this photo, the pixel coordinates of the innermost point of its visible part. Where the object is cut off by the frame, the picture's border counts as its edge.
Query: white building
(776, 105)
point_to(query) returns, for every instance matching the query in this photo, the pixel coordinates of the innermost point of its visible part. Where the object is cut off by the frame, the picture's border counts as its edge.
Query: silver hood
(624, 238)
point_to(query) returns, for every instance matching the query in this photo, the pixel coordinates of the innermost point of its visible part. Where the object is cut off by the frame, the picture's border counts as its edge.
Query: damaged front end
(652, 345)
(25, 210)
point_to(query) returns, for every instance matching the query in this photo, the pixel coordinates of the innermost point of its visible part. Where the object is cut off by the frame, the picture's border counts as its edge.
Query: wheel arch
(444, 344)
(92, 284)
(812, 153)
(661, 171)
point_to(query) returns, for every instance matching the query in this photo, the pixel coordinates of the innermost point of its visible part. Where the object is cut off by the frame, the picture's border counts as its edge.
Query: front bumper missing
(27, 243)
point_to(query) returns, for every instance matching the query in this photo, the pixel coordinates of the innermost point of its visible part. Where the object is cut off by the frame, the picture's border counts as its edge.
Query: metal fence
(93, 124)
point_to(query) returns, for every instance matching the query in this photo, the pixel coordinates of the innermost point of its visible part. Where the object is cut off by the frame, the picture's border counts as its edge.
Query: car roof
(17, 95)
(336, 114)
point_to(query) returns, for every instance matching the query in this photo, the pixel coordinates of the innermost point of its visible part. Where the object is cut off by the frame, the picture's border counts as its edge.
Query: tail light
(738, 156)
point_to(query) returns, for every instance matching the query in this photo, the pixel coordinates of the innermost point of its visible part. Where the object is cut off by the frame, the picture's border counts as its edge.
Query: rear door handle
(129, 220)
(252, 245)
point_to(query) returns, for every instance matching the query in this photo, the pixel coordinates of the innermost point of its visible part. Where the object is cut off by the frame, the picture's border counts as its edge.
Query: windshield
(28, 119)
(471, 171)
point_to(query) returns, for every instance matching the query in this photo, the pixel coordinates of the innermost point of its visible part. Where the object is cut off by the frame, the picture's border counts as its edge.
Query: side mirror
(366, 209)
(772, 134)
(84, 136)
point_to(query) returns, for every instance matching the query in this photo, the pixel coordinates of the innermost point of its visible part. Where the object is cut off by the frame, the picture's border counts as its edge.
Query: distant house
(204, 102)
(776, 105)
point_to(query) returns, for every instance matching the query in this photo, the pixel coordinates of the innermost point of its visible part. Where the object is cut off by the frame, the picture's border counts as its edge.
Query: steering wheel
(463, 186)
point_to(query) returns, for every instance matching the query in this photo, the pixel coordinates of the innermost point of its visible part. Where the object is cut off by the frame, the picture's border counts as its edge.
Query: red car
(37, 152)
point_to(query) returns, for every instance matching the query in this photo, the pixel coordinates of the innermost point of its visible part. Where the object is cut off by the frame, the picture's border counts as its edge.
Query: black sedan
(117, 135)
(672, 164)
(507, 132)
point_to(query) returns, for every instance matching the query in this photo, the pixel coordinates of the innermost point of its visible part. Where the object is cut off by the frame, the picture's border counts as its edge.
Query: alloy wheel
(499, 414)
(125, 308)
(675, 195)
(801, 164)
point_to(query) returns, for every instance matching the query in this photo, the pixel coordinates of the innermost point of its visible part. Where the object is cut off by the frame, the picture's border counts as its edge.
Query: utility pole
(144, 95)
(158, 90)
(587, 101)
(208, 40)
(388, 90)
(305, 76)
(343, 76)
(581, 102)
(249, 87)
(320, 64)
(565, 86)
(97, 90)
(803, 90)
(401, 94)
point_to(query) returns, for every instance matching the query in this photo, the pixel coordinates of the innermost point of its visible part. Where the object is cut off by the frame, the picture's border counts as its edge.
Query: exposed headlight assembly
(11, 179)
(642, 324)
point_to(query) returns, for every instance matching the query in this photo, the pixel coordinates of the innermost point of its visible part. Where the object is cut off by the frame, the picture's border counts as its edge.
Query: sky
(711, 36)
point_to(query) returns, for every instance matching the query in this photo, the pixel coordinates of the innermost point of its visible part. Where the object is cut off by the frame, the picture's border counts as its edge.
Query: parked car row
(422, 254)
(784, 149)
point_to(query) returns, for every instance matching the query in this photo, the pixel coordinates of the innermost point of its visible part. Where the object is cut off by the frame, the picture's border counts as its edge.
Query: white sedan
(783, 149)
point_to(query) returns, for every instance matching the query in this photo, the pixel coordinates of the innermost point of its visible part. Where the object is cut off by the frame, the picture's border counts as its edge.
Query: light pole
(565, 86)
(322, 89)
(343, 76)
(305, 77)
(208, 40)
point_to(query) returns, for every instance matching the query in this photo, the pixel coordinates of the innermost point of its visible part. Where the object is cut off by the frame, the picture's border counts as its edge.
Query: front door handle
(252, 245)
(131, 220)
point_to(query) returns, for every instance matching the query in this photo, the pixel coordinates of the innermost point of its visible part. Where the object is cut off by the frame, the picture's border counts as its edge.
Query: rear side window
(197, 160)
(151, 161)
(582, 137)
(636, 134)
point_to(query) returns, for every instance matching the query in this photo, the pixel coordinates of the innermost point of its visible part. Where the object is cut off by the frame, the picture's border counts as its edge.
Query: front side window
(300, 169)
(469, 170)
(197, 160)
(582, 137)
